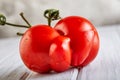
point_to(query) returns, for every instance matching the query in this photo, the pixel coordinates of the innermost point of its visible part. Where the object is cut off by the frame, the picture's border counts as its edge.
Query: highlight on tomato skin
(74, 28)
(34, 47)
(60, 54)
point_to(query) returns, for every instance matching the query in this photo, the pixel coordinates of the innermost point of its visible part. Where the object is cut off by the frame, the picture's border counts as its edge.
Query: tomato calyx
(51, 14)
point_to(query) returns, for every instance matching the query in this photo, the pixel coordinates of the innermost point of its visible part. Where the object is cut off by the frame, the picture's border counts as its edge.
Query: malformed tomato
(60, 54)
(34, 47)
(73, 42)
(84, 41)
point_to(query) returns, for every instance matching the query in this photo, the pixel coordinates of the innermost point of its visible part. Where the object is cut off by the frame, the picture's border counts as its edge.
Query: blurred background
(99, 12)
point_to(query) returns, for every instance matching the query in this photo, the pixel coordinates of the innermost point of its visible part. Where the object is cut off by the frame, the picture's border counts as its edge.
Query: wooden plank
(106, 66)
(11, 66)
(70, 74)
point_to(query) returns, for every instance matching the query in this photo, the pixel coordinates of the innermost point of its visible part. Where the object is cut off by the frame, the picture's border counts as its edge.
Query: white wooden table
(106, 66)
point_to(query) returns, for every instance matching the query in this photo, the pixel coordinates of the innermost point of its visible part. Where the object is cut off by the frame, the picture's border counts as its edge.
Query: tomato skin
(84, 42)
(60, 54)
(93, 51)
(34, 47)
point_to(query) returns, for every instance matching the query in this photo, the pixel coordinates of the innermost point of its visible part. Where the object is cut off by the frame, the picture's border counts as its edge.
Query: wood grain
(11, 66)
(70, 74)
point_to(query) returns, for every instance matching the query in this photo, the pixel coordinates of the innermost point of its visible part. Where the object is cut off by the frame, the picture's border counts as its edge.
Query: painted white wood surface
(70, 74)
(11, 66)
(106, 66)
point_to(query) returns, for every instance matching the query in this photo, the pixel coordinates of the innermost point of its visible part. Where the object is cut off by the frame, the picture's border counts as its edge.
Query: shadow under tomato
(66, 75)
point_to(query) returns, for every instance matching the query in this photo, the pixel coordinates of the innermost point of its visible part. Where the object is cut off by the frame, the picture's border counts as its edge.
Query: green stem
(20, 34)
(16, 25)
(4, 22)
(49, 22)
(21, 14)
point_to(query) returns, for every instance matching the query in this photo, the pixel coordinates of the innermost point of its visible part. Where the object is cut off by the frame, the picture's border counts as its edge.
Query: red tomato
(34, 47)
(60, 54)
(84, 39)
(42, 48)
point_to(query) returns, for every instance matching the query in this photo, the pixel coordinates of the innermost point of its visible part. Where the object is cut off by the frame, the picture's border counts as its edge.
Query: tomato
(60, 54)
(34, 47)
(43, 49)
(73, 41)
(84, 39)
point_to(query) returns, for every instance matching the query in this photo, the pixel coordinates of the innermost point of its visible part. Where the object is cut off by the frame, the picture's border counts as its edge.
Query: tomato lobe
(34, 47)
(60, 54)
(84, 43)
